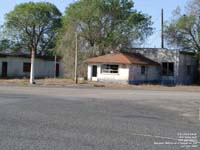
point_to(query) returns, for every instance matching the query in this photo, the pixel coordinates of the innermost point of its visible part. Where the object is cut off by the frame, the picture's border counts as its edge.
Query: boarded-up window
(164, 69)
(189, 70)
(171, 69)
(143, 70)
(26, 67)
(168, 69)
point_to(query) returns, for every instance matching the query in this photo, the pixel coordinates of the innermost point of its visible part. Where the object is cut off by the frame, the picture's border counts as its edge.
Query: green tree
(102, 25)
(4, 45)
(34, 26)
(6, 41)
(183, 31)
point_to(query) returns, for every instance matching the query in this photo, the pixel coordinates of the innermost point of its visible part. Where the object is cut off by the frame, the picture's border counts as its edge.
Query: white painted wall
(122, 76)
(43, 68)
(126, 74)
(89, 74)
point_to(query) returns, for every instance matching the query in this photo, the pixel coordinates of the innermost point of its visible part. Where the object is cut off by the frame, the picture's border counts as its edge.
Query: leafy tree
(183, 31)
(103, 25)
(4, 44)
(34, 26)
(6, 41)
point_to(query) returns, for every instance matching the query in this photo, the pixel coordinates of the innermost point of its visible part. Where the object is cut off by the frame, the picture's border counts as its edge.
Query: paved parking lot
(36, 118)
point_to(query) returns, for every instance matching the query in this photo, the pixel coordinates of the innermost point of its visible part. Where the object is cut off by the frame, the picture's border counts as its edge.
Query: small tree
(34, 26)
(183, 31)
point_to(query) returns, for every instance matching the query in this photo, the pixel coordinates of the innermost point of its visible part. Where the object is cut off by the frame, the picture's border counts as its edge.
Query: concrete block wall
(43, 68)
(184, 77)
(180, 60)
(152, 74)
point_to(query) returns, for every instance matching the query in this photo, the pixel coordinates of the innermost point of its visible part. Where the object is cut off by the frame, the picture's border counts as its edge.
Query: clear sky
(151, 7)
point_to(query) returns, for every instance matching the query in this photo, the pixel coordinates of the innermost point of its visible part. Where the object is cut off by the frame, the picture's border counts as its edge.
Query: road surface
(38, 118)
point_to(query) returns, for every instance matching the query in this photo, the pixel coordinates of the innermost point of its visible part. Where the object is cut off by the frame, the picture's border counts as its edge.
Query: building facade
(123, 68)
(136, 66)
(177, 67)
(18, 66)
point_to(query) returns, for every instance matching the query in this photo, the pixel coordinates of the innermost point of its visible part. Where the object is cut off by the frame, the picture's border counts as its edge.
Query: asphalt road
(36, 118)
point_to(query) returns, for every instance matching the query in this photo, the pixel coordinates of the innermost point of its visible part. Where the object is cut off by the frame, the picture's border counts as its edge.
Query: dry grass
(40, 82)
(63, 82)
(20, 82)
(52, 81)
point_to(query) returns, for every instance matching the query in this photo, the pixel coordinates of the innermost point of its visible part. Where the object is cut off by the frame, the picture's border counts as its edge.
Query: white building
(18, 66)
(137, 66)
(123, 68)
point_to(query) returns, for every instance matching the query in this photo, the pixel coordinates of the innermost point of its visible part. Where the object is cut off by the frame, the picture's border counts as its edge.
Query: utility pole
(162, 28)
(76, 59)
(55, 63)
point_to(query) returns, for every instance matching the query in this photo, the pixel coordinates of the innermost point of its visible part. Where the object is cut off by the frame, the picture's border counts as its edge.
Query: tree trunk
(32, 73)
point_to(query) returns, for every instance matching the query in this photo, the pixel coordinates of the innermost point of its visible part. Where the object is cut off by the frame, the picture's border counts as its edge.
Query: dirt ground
(51, 82)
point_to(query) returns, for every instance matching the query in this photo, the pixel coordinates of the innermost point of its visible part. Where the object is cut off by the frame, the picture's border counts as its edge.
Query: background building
(18, 66)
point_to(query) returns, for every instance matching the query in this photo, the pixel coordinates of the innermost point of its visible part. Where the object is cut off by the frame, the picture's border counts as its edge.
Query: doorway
(4, 69)
(57, 70)
(94, 71)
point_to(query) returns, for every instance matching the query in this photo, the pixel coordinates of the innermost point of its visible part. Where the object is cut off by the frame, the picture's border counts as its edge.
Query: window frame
(168, 69)
(26, 69)
(107, 69)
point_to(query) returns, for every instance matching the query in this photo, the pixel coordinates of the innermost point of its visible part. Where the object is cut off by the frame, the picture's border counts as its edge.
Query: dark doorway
(4, 69)
(94, 71)
(57, 70)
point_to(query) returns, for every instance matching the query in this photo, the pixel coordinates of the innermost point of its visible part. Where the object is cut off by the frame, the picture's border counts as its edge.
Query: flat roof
(51, 58)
